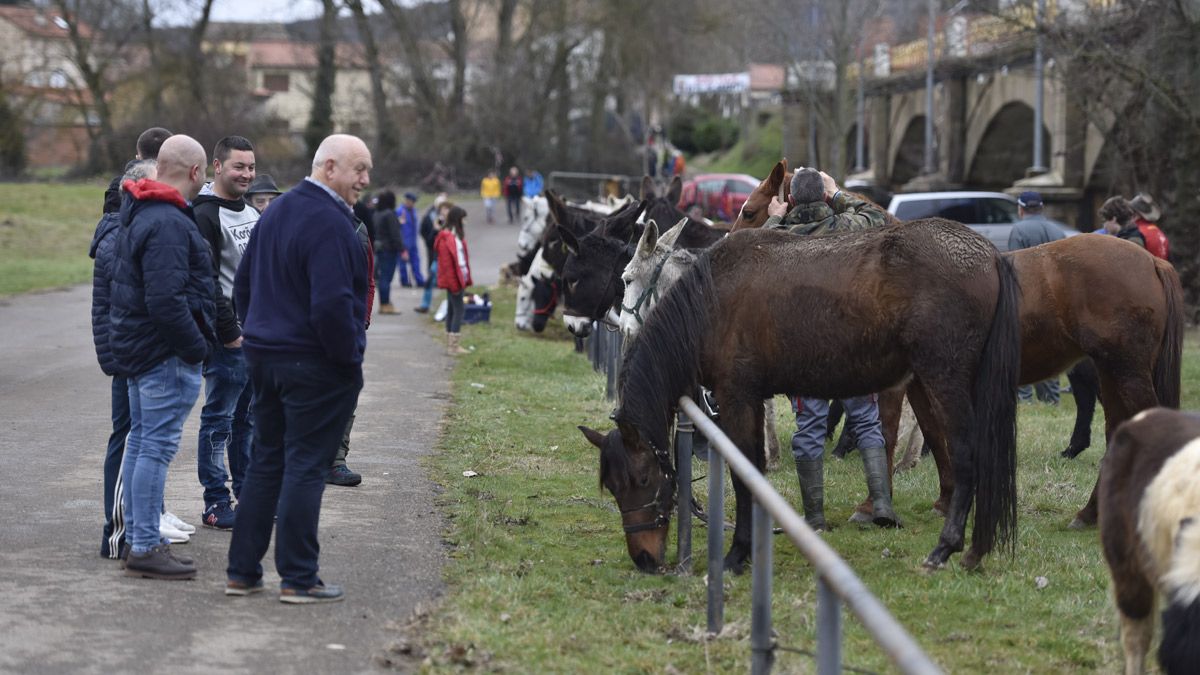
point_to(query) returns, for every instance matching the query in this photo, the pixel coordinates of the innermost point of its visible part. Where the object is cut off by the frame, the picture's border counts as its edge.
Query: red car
(721, 195)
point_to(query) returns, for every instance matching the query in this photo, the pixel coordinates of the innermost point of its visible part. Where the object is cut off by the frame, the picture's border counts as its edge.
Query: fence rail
(836, 582)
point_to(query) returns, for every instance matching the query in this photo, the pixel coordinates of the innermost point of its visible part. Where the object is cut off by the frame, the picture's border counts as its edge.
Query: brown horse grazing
(1088, 296)
(1150, 531)
(832, 317)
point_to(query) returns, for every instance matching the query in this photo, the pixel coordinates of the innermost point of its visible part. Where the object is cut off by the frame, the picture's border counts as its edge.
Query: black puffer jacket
(162, 284)
(104, 244)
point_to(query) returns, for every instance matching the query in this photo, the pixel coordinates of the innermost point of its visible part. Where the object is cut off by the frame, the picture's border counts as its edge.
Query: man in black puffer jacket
(102, 251)
(161, 323)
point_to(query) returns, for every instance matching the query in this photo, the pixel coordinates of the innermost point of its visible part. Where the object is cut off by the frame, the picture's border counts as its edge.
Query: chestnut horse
(931, 300)
(1087, 296)
(1150, 531)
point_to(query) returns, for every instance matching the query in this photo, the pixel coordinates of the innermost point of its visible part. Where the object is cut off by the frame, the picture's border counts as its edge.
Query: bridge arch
(1004, 149)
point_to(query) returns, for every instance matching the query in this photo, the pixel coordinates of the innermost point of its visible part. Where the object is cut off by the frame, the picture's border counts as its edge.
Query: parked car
(720, 195)
(988, 213)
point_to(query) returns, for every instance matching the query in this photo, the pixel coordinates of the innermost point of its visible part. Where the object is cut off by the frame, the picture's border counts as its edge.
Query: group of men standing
(269, 309)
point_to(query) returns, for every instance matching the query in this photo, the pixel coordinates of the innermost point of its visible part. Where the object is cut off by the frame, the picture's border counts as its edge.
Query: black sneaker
(158, 563)
(342, 475)
(219, 516)
(319, 593)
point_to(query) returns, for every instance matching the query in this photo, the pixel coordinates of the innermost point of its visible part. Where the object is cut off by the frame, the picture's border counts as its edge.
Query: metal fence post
(716, 542)
(683, 478)
(762, 647)
(829, 630)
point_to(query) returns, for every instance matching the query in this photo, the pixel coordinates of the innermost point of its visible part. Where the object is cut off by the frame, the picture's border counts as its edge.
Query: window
(997, 211)
(275, 81)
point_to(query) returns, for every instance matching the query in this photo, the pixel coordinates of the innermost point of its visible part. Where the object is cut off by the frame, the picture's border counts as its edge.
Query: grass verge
(539, 580)
(45, 231)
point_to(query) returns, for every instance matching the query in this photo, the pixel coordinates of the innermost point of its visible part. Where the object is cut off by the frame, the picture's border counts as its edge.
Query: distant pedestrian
(1033, 229)
(1146, 215)
(301, 292)
(428, 231)
(162, 323)
(389, 248)
(262, 192)
(514, 189)
(489, 190)
(533, 183)
(1119, 218)
(454, 274)
(411, 261)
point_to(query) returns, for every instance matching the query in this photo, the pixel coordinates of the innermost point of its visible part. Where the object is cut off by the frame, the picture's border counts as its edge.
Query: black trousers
(301, 408)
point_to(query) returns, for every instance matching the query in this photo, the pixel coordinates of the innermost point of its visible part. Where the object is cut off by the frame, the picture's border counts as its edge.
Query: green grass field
(539, 580)
(45, 231)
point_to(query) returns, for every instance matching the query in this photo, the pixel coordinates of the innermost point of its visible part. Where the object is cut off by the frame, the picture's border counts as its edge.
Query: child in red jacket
(453, 274)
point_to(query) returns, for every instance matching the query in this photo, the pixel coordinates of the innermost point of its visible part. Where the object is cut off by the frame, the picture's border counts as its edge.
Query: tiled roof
(39, 23)
(285, 54)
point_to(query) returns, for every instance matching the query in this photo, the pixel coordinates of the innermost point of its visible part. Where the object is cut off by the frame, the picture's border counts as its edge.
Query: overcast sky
(255, 10)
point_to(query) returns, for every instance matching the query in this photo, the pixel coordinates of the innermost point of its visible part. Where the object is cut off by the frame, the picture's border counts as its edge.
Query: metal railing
(836, 582)
(576, 185)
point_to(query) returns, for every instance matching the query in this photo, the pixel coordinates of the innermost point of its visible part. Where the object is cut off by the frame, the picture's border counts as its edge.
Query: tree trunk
(424, 90)
(387, 141)
(596, 125)
(154, 85)
(320, 121)
(458, 53)
(195, 65)
(504, 30)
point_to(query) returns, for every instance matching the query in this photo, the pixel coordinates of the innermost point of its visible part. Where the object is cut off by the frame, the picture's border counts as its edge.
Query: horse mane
(662, 362)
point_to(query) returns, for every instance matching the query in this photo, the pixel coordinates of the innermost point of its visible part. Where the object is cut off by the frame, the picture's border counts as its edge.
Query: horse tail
(994, 447)
(1167, 367)
(662, 362)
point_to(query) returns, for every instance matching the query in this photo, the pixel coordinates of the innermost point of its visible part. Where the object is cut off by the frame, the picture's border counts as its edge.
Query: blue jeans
(1047, 391)
(430, 283)
(385, 269)
(159, 402)
(114, 508)
(413, 263)
(812, 416)
(225, 422)
(301, 408)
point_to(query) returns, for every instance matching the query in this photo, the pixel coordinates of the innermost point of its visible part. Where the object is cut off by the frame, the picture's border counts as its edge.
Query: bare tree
(320, 120)
(196, 64)
(387, 142)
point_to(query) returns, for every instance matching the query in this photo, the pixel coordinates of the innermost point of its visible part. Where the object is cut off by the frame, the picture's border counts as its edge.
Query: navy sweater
(301, 287)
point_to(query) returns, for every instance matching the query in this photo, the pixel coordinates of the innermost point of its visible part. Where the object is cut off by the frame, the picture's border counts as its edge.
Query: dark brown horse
(1150, 530)
(831, 317)
(1088, 296)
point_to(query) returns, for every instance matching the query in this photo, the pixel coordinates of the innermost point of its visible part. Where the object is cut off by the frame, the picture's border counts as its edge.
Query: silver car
(991, 214)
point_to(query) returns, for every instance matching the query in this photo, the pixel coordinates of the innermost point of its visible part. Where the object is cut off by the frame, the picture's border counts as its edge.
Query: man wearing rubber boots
(821, 208)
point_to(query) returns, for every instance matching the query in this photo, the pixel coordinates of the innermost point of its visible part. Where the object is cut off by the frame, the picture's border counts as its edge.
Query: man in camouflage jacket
(821, 208)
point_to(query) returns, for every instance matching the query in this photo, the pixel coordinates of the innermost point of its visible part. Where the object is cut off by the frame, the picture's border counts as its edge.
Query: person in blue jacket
(162, 320)
(533, 183)
(407, 213)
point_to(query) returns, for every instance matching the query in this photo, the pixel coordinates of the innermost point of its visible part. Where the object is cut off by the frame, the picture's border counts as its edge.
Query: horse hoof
(737, 566)
(971, 561)
(1079, 524)
(1071, 452)
(886, 520)
(933, 565)
(860, 517)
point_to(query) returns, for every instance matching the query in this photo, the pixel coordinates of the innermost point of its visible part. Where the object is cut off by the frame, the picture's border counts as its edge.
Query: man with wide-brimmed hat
(262, 190)
(1146, 215)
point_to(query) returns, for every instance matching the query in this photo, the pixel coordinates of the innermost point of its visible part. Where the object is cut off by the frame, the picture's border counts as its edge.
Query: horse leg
(1123, 397)
(936, 440)
(742, 422)
(770, 434)
(948, 399)
(1085, 386)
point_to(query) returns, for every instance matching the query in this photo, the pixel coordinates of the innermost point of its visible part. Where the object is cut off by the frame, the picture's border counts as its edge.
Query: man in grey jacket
(1034, 229)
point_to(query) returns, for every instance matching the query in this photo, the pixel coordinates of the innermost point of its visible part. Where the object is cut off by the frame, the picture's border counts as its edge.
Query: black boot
(811, 474)
(875, 465)
(158, 563)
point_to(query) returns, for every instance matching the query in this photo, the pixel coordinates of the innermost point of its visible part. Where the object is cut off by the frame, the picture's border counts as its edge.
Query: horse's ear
(594, 437)
(621, 224)
(675, 190)
(558, 210)
(672, 235)
(647, 188)
(649, 238)
(776, 178)
(569, 238)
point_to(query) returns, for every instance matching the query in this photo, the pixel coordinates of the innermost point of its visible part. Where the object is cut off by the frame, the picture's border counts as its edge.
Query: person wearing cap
(1034, 229)
(262, 191)
(428, 232)
(1146, 215)
(1119, 218)
(407, 214)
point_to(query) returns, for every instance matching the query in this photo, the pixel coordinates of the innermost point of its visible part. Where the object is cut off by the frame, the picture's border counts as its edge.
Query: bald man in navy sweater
(300, 292)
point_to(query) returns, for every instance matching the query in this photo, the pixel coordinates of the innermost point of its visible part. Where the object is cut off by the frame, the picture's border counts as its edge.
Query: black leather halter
(664, 498)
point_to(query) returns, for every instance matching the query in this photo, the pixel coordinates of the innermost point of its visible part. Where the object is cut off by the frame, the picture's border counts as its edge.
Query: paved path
(66, 609)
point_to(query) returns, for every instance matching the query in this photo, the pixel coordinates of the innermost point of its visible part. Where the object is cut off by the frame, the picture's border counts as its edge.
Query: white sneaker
(177, 523)
(171, 534)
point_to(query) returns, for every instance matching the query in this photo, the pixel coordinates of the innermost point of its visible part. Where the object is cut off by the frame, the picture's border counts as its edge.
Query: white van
(988, 213)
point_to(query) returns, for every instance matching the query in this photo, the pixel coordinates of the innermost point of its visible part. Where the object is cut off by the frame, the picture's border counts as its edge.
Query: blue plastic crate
(478, 313)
